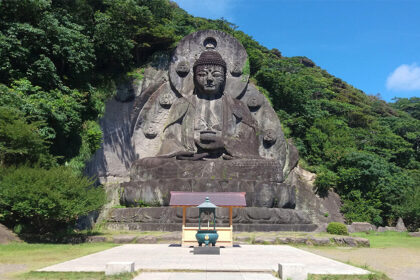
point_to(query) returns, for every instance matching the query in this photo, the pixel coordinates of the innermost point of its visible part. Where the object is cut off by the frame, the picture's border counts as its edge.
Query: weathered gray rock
(96, 239)
(113, 160)
(351, 241)
(121, 239)
(320, 241)
(148, 239)
(362, 242)
(316, 207)
(125, 91)
(297, 240)
(241, 238)
(283, 240)
(414, 234)
(360, 227)
(265, 240)
(111, 163)
(383, 229)
(7, 236)
(400, 225)
(339, 240)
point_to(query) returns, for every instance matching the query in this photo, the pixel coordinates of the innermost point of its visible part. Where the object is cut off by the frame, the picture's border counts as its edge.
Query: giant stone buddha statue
(203, 127)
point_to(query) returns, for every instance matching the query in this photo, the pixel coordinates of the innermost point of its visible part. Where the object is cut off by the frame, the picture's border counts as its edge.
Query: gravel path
(397, 263)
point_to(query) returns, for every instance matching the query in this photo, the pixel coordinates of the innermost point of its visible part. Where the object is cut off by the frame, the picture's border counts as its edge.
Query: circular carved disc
(189, 50)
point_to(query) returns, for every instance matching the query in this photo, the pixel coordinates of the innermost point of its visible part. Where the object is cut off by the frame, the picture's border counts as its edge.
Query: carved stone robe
(238, 127)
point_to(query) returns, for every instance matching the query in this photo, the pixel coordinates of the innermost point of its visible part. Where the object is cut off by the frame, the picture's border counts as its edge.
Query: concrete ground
(242, 260)
(204, 276)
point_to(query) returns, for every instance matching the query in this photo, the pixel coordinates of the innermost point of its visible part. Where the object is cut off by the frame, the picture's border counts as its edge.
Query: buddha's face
(209, 79)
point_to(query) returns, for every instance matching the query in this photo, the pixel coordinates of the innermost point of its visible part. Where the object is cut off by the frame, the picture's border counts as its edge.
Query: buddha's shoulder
(237, 104)
(181, 105)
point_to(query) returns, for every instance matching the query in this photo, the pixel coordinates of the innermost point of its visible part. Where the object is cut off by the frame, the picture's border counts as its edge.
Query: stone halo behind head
(189, 50)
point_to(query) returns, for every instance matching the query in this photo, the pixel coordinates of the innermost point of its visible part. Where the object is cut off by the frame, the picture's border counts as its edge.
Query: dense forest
(60, 60)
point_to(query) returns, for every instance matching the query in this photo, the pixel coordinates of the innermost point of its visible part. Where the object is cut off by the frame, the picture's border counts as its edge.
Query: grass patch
(75, 275)
(39, 255)
(36, 256)
(375, 275)
(389, 239)
(378, 276)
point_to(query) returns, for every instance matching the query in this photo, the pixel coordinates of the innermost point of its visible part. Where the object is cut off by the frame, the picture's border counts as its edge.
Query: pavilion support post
(184, 216)
(230, 216)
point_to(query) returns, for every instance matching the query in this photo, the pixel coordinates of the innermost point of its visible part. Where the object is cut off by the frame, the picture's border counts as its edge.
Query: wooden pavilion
(228, 200)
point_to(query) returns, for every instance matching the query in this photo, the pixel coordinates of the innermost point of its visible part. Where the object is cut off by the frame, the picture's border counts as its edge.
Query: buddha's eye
(217, 74)
(201, 74)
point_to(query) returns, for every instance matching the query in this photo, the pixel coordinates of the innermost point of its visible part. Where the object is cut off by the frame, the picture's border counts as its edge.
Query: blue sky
(372, 44)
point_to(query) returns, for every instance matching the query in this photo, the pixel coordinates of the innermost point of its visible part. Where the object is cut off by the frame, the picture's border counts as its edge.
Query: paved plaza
(241, 262)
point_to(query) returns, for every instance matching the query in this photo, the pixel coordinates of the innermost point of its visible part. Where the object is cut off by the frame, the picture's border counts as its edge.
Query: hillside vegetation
(60, 62)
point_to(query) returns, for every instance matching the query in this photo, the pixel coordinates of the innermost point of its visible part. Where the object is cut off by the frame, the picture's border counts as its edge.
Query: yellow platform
(225, 236)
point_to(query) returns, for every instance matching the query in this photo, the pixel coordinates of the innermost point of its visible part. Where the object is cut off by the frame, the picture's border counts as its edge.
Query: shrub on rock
(337, 228)
(36, 200)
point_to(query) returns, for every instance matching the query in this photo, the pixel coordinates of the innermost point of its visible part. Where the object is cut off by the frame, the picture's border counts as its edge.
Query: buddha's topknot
(210, 57)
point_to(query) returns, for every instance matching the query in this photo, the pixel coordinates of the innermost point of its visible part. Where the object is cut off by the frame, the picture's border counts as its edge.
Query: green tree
(409, 209)
(60, 113)
(367, 176)
(20, 141)
(409, 105)
(38, 200)
(46, 46)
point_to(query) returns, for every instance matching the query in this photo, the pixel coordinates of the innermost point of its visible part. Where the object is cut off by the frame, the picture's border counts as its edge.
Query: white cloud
(404, 78)
(213, 9)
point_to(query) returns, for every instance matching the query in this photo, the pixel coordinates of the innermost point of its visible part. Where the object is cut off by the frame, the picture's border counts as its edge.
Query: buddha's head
(209, 73)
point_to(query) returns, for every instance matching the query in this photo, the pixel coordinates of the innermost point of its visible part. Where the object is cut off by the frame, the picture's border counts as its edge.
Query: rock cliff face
(112, 162)
(135, 132)
(320, 210)
(7, 236)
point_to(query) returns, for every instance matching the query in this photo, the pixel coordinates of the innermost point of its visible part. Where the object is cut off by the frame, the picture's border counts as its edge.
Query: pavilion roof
(221, 199)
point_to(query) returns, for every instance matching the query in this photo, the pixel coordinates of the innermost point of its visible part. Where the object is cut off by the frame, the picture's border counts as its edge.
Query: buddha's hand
(211, 140)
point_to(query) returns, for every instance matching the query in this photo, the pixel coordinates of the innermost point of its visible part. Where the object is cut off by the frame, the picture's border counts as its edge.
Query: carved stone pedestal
(244, 219)
(261, 179)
